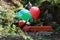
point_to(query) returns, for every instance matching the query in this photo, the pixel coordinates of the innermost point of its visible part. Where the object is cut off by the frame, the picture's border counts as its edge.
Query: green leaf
(28, 38)
(58, 28)
(12, 34)
(57, 1)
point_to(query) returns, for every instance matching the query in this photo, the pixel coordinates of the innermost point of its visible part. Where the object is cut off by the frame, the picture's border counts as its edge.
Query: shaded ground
(35, 36)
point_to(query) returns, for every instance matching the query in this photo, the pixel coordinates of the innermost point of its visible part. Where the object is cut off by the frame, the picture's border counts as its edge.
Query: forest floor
(35, 36)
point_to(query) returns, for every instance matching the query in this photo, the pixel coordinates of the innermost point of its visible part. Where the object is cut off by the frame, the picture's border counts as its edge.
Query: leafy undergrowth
(6, 19)
(12, 32)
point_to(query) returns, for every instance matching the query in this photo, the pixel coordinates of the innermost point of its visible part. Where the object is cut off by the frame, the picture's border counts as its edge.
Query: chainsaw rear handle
(16, 23)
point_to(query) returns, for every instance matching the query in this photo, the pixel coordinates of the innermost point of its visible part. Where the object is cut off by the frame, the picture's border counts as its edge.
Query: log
(38, 28)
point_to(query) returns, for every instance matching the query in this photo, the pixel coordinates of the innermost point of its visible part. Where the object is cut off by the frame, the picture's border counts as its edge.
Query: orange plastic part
(21, 22)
